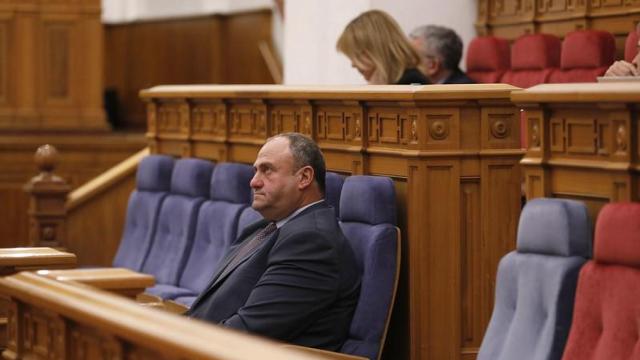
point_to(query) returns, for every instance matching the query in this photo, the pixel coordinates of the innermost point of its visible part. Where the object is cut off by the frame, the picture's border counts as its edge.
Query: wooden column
(47, 204)
(50, 66)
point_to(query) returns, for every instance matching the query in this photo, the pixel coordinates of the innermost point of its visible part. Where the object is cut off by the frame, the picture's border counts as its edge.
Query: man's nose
(255, 182)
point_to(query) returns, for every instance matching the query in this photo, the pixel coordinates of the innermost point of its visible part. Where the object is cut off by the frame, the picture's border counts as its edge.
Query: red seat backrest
(533, 57)
(606, 312)
(487, 59)
(631, 46)
(586, 54)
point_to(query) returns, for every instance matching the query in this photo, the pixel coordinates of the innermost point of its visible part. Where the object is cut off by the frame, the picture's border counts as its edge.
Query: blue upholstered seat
(368, 219)
(333, 190)
(177, 219)
(215, 230)
(536, 283)
(153, 181)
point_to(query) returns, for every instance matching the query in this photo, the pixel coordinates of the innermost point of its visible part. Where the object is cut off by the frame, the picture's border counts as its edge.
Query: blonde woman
(380, 51)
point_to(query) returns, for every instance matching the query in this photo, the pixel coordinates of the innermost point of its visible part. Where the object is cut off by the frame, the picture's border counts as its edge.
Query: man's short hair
(306, 153)
(441, 42)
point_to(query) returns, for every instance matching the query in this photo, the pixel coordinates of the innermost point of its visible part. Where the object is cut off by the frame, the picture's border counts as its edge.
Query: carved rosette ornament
(499, 129)
(621, 139)
(535, 135)
(439, 130)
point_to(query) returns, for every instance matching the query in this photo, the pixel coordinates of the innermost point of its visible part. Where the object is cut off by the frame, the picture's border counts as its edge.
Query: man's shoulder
(319, 217)
(459, 77)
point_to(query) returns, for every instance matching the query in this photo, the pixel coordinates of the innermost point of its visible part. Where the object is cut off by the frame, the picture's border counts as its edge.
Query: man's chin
(257, 206)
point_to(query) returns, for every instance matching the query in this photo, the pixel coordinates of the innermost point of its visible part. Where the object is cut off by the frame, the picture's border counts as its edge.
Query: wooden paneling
(513, 18)
(219, 49)
(82, 157)
(453, 152)
(583, 142)
(51, 56)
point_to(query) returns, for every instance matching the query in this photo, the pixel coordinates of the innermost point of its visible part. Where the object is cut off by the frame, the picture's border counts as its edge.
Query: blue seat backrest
(153, 182)
(536, 283)
(177, 219)
(368, 219)
(333, 190)
(217, 223)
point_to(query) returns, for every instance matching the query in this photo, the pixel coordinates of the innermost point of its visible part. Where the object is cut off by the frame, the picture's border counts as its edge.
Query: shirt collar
(280, 223)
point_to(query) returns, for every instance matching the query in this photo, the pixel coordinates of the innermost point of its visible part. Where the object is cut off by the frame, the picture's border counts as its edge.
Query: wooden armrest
(13, 260)
(148, 299)
(175, 307)
(325, 353)
(117, 280)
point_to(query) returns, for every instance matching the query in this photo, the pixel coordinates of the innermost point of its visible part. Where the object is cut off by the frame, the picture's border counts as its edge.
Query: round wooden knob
(46, 158)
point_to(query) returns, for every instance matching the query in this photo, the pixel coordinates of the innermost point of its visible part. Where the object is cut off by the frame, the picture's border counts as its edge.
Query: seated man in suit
(291, 276)
(623, 68)
(440, 50)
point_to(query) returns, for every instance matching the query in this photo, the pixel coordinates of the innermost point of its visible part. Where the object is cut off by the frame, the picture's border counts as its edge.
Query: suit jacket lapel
(246, 235)
(228, 270)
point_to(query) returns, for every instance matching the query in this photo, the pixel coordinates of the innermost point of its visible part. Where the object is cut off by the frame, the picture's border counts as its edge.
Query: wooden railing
(87, 221)
(513, 18)
(96, 213)
(452, 150)
(65, 320)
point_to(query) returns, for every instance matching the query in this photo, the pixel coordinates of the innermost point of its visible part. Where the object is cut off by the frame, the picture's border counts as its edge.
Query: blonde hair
(377, 35)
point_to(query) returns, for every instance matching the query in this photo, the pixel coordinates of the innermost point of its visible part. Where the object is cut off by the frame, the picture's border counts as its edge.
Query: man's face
(427, 62)
(276, 193)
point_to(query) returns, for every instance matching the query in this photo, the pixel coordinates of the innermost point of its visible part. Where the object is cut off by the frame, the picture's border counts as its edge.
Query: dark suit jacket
(300, 286)
(458, 77)
(412, 76)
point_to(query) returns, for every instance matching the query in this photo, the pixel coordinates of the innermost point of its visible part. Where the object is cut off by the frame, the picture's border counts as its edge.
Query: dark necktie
(250, 246)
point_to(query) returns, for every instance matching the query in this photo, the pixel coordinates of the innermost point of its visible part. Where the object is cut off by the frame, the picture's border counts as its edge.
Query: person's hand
(622, 68)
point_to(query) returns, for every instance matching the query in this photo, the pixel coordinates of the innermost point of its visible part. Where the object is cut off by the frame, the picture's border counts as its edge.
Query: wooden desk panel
(452, 150)
(583, 142)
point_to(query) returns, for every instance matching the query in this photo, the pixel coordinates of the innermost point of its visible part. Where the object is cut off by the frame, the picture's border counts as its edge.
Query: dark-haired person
(440, 51)
(292, 276)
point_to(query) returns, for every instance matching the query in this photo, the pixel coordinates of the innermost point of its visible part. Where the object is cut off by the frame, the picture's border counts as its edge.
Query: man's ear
(307, 176)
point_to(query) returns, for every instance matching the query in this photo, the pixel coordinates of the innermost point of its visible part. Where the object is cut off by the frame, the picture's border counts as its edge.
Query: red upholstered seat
(631, 46)
(585, 55)
(533, 58)
(487, 59)
(606, 318)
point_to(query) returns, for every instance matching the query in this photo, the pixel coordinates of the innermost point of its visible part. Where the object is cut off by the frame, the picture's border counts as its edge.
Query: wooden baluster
(47, 203)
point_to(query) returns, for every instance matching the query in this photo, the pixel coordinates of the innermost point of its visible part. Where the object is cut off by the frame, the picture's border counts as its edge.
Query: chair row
(553, 301)
(184, 215)
(541, 58)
